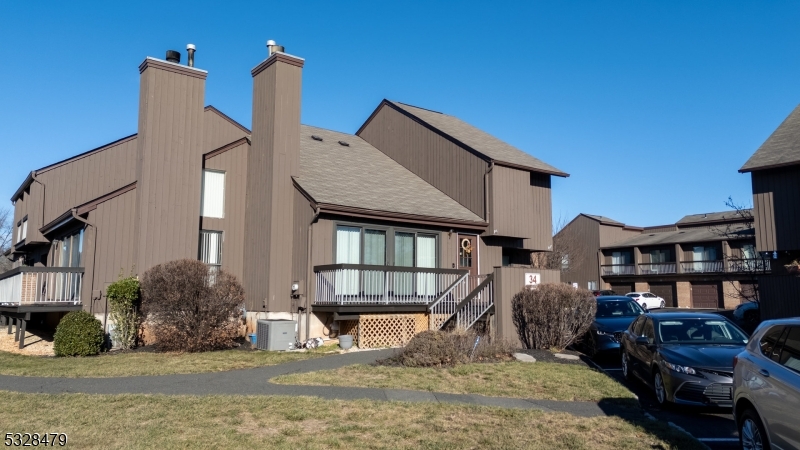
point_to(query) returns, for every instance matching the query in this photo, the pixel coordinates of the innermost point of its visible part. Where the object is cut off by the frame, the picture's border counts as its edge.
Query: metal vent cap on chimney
(174, 56)
(272, 47)
(190, 49)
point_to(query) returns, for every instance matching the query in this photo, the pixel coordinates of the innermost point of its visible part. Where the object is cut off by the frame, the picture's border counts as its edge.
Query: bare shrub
(437, 348)
(552, 315)
(188, 310)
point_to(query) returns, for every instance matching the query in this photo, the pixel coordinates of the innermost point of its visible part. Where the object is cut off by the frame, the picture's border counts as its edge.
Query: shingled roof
(359, 175)
(724, 216)
(691, 235)
(478, 140)
(782, 148)
(603, 219)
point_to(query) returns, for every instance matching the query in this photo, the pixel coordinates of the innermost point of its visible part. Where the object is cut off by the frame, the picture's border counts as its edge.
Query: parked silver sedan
(766, 383)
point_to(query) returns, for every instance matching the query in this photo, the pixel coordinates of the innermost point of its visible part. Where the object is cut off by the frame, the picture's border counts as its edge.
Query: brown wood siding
(234, 164)
(448, 250)
(84, 179)
(490, 256)
(508, 282)
(434, 158)
(321, 247)
(20, 211)
(611, 234)
(303, 214)
(169, 166)
(776, 207)
(110, 247)
(272, 161)
(660, 229)
(218, 131)
(521, 207)
(779, 296)
(582, 238)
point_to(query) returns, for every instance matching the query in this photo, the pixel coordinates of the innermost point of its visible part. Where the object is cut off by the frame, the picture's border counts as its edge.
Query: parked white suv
(647, 300)
(766, 387)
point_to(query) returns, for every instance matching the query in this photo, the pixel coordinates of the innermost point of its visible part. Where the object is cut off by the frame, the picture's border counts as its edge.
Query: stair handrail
(448, 290)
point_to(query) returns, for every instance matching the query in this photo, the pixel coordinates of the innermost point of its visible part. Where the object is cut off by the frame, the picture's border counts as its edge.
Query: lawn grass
(143, 363)
(158, 421)
(540, 380)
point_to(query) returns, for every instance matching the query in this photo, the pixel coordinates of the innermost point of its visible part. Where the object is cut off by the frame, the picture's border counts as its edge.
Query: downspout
(94, 259)
(310, 271)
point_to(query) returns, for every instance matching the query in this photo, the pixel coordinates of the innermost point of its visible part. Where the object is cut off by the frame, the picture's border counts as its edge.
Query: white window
(25, 229)
(565, 262)
(211, 248)
(592, 285)
(19, 232)
(213, 202)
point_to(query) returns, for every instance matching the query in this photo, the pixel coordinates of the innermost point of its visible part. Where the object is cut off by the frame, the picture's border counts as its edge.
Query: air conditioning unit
(275, 334)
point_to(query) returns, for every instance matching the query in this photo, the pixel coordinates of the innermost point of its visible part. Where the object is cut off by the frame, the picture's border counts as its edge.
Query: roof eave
(746, 169)
(556, 172)
(23, 186)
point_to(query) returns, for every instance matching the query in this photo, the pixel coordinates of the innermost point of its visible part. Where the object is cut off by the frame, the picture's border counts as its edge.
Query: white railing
(656, 268)
(476, 304)
(41, 285)
(702, 266)
(348, 284)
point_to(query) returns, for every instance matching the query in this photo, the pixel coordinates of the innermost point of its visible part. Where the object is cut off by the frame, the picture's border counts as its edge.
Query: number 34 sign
(532, 279)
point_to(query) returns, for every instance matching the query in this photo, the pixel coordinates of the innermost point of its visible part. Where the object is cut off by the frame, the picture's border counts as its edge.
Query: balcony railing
(656, 268)
(703, 266)
(41, 285)
(751, 265)
(618, 269)
(348, 284)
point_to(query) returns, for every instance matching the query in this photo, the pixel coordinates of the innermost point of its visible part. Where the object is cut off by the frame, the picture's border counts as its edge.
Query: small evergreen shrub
(552, 315)
(189, 309)
(78, 334)
(123, 301)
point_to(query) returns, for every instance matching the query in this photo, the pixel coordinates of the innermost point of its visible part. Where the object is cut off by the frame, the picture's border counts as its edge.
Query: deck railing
(749, 265)
(618, 269)
(656, 268)
(703, 266)
(347, 284)
(41, 285)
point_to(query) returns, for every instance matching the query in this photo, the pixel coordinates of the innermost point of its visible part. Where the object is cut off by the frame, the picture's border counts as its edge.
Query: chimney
(271, 163)
(169, 161)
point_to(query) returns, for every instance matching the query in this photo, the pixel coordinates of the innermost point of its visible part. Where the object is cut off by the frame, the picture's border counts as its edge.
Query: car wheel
(661, 390)
(662, 304)
(626, 367)
(752, 435)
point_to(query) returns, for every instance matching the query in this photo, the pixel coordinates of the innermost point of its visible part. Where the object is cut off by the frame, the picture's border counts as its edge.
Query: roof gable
(472, 138)
(782, 147)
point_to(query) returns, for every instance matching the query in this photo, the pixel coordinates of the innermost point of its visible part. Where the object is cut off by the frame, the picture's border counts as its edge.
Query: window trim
(221, 234)
(390, 232)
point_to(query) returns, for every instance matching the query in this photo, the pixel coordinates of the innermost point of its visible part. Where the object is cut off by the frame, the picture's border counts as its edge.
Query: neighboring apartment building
(399, 227)
(775, 172)
(701, 261)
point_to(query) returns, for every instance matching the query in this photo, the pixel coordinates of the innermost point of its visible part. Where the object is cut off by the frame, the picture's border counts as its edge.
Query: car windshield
(632, 295)
(699, 331)
(622, 308)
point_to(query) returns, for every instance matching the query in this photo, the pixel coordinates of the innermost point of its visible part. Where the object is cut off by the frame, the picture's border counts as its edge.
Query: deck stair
(463, 303)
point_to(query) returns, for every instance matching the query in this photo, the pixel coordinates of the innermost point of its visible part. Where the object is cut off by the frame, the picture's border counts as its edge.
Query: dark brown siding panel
(437, 160)
(169, 166)
(321, 248)
(611, 234)
(490, 256)
(218, 131)
(509, 281)
(303, 214)
(776, 203)
(581, 240)
(780, 296)
(521, 207)
(111, 251)
(234, 164)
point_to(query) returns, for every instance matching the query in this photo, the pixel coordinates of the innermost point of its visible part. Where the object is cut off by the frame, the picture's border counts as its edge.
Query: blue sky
(652, 107)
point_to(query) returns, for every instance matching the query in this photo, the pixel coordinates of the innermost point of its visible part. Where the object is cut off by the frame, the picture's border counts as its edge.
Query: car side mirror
(642, 340)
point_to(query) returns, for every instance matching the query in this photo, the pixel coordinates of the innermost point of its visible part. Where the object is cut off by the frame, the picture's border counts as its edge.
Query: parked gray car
(766, 383)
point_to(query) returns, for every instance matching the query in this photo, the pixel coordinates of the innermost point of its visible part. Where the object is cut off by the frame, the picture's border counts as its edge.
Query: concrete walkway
(256, 382)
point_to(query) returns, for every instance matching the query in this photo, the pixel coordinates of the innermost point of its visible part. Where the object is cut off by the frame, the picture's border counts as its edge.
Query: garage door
(665, 291)
(705, 295)
(621, 289)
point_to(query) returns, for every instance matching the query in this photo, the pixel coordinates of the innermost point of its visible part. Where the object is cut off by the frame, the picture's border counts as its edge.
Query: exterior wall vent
(315, 137)
(174, 56)
(344, 143)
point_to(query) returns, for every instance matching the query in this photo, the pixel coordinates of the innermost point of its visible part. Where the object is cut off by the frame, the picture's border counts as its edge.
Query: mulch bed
(548, 356)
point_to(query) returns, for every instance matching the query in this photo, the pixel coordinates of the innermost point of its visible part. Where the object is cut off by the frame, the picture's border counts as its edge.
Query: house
(775, 173)
(401, 227)
(701, 261)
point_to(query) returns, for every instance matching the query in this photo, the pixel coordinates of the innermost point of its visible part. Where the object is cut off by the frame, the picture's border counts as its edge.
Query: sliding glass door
(426, 257)
(403, 257)
(374, 255)
(348, 251)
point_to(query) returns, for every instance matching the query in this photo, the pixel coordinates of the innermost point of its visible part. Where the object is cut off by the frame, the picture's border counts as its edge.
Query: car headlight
(603, 333)
(680, 369)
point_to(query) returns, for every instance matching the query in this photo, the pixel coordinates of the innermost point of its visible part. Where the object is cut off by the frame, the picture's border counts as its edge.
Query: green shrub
(123, 301)
(78, 334)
